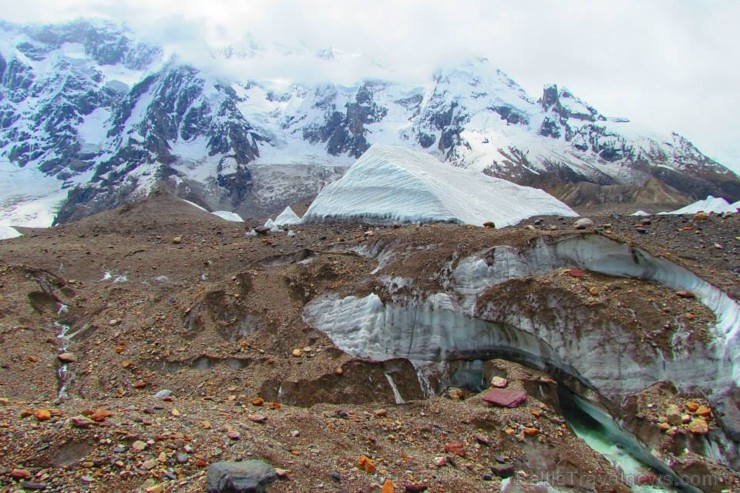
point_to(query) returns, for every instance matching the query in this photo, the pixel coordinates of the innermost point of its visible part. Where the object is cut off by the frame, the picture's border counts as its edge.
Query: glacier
(710, 204)
(397, 184)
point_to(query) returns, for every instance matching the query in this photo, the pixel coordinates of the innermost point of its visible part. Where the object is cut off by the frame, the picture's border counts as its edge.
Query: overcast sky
(670, 64)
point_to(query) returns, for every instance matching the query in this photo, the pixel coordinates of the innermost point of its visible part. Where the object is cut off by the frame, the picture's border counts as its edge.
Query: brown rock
(20, 474)
(456, 448)
(67, 357)
(416, 487)
(673, 415)
(489, 224)
(685, 294)
(177, 240)
(257, 418)
(81, 422)
(483, 440)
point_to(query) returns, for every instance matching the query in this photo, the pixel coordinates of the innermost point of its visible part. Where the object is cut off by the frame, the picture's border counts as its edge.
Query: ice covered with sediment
(397, 184)
(710, 204)
(288, 216)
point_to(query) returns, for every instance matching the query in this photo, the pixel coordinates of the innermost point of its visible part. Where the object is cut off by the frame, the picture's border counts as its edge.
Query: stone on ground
(249, 476)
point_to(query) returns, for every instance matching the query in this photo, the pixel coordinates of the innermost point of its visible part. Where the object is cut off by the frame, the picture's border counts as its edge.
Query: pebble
(139, 446)
(499, 382)
(416, 487)
(182, 458)
(29, 485)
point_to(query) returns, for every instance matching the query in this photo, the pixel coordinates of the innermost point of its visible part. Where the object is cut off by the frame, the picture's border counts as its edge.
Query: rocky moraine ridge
(157, 347)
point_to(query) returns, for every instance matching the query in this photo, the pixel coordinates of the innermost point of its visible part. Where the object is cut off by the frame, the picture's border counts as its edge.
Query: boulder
(249, 476)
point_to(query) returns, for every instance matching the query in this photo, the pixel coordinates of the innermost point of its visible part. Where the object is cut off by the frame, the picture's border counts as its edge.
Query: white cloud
(667, 63)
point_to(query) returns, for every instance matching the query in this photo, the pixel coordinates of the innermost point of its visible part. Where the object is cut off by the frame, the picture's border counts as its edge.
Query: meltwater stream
(640, 469)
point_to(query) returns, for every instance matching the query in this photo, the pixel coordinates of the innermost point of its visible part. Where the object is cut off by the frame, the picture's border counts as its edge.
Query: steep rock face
(342, 127)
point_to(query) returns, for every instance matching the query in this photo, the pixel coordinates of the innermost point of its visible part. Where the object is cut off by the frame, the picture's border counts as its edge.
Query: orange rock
(704, 411)
(127, 363)
(698, 427)
(139, 384)
(536, 413)
(530, 432)
(100, 414)
(258, 401)
(366, 465)
(119, 349)
(33, 359)
(388, 487)
(276, 406)
(43, 414)
(692, 406)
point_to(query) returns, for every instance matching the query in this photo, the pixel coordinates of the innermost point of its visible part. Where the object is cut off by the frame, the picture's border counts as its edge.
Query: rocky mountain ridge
(107, 119)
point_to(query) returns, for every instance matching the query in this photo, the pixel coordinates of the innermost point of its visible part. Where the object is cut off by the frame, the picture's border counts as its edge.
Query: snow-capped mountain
(91, 118)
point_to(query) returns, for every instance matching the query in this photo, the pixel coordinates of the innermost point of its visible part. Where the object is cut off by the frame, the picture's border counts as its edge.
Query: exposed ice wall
(440, 327)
